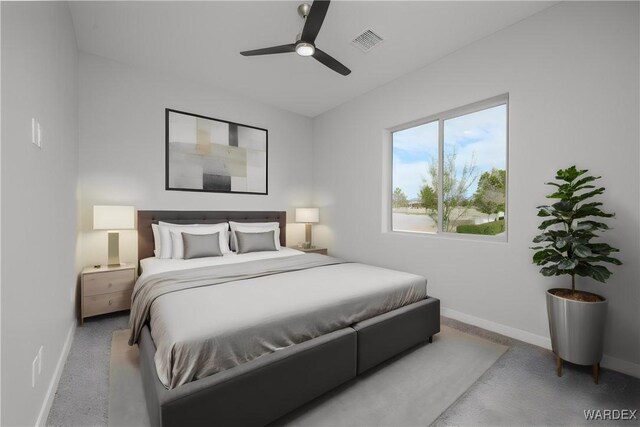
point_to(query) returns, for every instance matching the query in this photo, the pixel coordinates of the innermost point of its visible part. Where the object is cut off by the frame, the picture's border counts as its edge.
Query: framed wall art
(212, 155)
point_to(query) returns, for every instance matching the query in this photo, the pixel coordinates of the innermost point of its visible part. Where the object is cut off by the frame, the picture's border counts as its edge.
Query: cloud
(409, 176)
(481, 125)
(417, 140)
(480, 136)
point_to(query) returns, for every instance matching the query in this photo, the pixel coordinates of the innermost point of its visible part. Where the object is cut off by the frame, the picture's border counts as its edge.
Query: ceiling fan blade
(285, 48)
(314, 20)
(331, 62)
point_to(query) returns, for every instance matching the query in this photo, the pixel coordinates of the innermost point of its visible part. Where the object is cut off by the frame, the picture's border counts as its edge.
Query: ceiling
(201, 41)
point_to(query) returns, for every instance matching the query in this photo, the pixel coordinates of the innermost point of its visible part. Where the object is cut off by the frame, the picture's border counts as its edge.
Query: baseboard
(620, 365)
(608, 362)
(499, 328)
(53, 385)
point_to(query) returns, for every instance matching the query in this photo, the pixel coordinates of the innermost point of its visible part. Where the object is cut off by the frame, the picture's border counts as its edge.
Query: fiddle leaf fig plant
(565, 244)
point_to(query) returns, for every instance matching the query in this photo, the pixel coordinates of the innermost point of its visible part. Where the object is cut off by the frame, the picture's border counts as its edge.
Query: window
(450, 172)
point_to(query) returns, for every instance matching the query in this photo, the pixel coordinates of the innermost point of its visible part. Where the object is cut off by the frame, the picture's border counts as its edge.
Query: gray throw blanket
(148, 289)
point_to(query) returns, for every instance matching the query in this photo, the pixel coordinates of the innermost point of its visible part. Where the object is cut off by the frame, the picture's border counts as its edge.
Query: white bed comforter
(204, 330)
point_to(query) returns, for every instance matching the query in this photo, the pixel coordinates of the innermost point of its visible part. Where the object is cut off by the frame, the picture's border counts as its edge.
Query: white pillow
(177, 243)
(164, 231)
(254, 227)
(156, 240)
(166, 245)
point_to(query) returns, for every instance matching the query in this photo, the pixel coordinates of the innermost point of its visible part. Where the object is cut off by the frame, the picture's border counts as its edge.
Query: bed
(248, 349)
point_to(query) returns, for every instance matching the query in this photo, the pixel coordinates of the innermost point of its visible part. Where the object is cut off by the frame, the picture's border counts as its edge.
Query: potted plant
(566, 247)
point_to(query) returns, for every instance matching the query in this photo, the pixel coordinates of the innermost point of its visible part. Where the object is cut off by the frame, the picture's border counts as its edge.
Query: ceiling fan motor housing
(305, 49)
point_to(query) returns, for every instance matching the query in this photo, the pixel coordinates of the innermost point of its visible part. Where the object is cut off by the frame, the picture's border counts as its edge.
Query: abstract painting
(205, 154)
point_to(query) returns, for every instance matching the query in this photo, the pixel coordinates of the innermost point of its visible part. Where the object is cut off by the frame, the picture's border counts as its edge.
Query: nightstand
(106, 289)
(311, 250)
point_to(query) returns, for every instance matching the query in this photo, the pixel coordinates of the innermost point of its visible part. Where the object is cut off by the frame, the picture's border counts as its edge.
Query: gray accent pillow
(255, 242)
(201, 245)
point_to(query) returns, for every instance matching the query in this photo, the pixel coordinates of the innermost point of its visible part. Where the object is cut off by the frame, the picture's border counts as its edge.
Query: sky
(481, 134)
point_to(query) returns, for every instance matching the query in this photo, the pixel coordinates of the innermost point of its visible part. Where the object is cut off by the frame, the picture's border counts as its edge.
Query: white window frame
(440, 118)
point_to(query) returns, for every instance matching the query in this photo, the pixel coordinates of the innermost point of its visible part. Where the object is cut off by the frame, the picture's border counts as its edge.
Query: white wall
(122, 148)
(39, 79)
(572, 75)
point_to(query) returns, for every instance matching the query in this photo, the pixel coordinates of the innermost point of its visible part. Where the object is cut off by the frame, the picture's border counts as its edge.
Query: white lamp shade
(307, 215)
(113, 217)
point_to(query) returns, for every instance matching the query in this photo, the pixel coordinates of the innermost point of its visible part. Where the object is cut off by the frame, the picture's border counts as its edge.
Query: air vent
(366, 41)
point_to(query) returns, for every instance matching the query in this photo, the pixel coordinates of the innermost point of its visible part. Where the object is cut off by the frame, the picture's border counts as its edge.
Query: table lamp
(113, 218)
(308, 216)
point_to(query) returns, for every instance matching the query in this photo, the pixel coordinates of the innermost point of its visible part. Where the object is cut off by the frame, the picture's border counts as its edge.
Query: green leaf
(557, 233)
(570, 174)
(604, 258)
(562, 242)
(586, 211)
(600, 273)
(594, 225)
(588, 195)
(544, 211)
(585, 180)
(546, 255)
(544, 237)
(561, 194)
(584, 225)
(564, 206)
(596, 272)
(591, 204)
(541, 256)
(549, 271)
(549, 223)
(582, 251)
(584, 235)
(611, 260)
(601, 248)
(582, 269)
(567, 264)
(583, 187)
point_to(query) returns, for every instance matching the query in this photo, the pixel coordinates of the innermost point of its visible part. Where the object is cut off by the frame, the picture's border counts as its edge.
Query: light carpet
(412, 389)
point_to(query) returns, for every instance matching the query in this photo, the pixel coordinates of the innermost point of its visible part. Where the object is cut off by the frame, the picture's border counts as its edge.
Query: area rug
(412, 389)
(127, 406)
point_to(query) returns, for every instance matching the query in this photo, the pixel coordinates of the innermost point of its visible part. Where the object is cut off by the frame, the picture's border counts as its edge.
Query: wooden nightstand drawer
(106, 289)
(108, 282)
(106, 303)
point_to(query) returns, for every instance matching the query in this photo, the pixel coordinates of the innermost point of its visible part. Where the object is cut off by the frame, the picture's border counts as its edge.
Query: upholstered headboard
(146, 218)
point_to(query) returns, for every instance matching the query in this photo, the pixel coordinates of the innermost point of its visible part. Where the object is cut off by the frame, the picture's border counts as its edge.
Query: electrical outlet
(72, 294)
(34, 371)
(40, 360)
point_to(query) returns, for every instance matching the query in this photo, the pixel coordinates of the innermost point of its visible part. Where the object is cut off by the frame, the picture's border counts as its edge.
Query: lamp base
(307, 236)
(113, 259)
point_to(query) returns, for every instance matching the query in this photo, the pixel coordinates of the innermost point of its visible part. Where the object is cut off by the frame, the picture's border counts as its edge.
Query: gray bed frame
(263, 390)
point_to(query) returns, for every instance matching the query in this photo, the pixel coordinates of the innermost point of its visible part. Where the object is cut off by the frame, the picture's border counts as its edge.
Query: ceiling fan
(313, 14)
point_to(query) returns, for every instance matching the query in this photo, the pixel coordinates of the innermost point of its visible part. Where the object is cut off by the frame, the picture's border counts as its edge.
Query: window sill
(500, 238)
